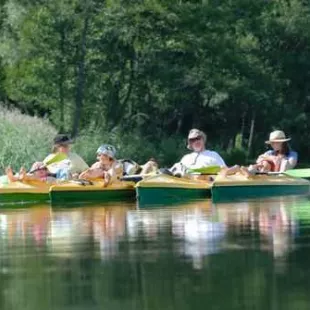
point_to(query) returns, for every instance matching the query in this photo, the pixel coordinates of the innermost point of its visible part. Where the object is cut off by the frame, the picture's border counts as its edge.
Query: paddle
(206, 170)
(135, 177)
(297, 173)
(55, 158)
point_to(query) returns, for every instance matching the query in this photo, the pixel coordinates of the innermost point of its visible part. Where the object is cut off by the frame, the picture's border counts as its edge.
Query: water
(251, 255)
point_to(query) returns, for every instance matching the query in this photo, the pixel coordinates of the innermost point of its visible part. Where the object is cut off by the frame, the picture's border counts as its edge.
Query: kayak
(30, 192)
(238, 187)
(79, 192)
(163, 189)
(24, 192)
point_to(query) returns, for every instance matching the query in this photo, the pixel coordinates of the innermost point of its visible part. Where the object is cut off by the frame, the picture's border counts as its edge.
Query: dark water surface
(253, 255)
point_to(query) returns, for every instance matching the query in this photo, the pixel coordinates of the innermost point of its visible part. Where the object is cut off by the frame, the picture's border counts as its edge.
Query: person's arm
(115, 172)
(265, 156)
(92, 173)
(289, 162)
(219, 160)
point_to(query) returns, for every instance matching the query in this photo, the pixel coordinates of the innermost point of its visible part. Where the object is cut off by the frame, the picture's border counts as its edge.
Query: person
(70, 167)
(200, 157)
(130, 167)
(107, 167)
(38, 172)
(281, 154)
(278, 159)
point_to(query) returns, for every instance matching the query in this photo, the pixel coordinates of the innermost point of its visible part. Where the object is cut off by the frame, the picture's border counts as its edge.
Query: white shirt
(202, 159)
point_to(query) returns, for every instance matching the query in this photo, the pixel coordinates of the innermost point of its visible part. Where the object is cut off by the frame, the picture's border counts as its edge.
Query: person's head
(106, 154)
(279, 142)
(62, 144)
(39, 170)
(196, 140)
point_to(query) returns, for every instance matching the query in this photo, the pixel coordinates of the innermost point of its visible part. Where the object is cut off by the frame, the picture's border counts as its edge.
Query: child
(107, 167)
(38, 172)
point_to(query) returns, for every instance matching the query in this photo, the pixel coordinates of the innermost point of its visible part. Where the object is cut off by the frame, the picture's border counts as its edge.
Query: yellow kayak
(80, 192)
(24, 192)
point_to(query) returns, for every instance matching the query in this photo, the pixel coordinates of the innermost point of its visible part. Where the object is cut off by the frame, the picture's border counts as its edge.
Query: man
(200, 157)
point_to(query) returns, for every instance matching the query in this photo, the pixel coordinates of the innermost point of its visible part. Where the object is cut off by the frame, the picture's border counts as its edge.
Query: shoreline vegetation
(26, 139)
(141, 74)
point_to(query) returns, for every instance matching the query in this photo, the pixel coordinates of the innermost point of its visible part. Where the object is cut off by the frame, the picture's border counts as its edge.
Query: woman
(107, 167)
(38, 172)
(278, 159)
(200, 157)
(70, 167)
(281, 155)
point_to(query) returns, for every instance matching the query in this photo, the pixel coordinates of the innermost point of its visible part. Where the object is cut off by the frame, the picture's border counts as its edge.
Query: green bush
(132, 145)
(24, 139)
(235, 156)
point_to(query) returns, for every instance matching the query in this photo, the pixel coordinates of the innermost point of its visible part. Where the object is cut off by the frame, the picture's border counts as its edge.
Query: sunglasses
(194, 139)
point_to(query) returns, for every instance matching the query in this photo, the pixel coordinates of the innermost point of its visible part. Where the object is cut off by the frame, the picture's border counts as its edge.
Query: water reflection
(230, 256)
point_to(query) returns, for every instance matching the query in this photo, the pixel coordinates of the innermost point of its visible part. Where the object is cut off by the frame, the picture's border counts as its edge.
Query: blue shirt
(291, 154)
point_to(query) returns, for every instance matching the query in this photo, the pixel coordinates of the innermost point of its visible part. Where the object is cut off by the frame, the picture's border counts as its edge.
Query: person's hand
(107, 179)
(266, 158)
(22, 173)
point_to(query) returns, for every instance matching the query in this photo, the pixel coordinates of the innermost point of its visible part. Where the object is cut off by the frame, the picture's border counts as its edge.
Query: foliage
(24, 140)
(151, 70)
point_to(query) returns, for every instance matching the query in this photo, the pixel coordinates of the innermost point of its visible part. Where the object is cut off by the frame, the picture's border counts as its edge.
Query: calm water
(197, 256)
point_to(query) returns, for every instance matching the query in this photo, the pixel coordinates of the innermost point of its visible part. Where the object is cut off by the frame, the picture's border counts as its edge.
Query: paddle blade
(298, 173)
(55, 158)
(206, 170)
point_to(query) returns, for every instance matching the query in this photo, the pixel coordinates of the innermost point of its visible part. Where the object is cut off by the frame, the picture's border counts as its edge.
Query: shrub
(24, 139)
(131, 145)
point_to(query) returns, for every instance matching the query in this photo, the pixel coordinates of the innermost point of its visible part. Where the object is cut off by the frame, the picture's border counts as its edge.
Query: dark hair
(285, 149)
(56, 146)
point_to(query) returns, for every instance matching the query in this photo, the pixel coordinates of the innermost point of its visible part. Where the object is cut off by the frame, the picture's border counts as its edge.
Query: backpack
(130, 167)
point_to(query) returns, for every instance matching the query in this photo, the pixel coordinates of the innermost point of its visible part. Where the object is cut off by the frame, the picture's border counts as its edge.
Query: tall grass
(23, 139)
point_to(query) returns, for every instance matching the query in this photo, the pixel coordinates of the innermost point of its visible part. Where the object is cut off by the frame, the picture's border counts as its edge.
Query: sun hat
(193, 134)
(62, 139)
(277, 136)
(107, 149)
(37, 166)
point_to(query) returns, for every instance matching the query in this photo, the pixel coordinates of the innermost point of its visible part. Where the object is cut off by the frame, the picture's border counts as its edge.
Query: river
(249, 255)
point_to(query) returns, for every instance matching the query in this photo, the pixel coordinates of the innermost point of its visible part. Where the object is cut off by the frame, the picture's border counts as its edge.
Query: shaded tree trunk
(79, 98)
(61, 81)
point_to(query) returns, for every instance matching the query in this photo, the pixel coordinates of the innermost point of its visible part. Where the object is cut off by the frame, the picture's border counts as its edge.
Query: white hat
(277, 136)
(195, 133)
(107, 149)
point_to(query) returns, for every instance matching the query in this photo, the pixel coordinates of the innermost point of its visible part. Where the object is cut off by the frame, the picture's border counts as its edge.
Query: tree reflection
(195, 256)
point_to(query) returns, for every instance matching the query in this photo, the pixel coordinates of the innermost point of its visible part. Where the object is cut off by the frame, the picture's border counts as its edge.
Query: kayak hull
(236, 188)
(165, 189)
(29, 192)
(69, 193)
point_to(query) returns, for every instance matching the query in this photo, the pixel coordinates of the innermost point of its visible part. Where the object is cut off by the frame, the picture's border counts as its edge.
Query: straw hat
(277, 136)
(37, 166)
